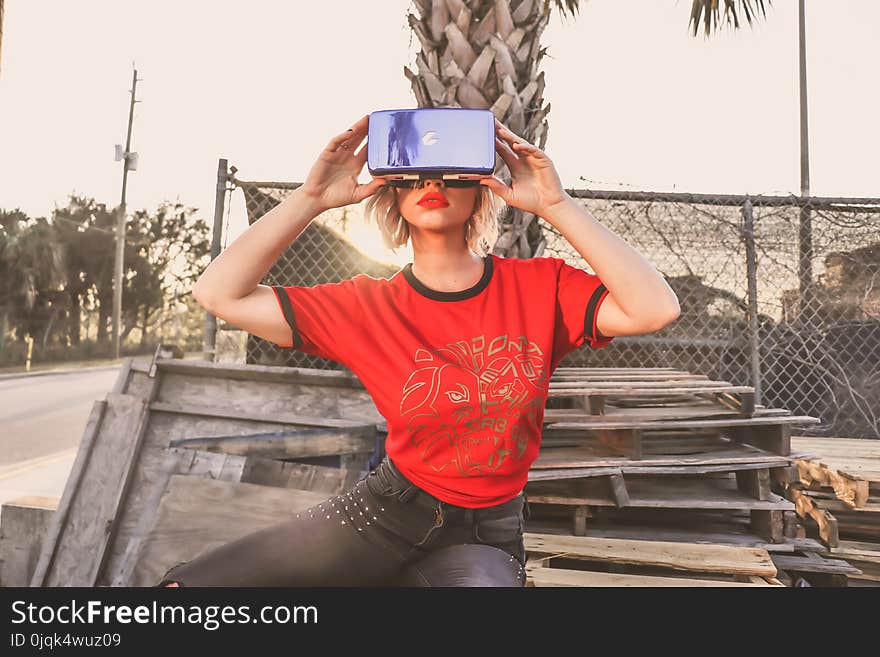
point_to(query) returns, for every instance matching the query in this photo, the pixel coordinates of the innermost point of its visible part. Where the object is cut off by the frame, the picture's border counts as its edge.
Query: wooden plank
(60, 518)
(611, 370)
(24, 523)
(625, 442)
(92, 494)
(122, 378)
(826, 523)
(613, 388)
(233, 469)
(753, 423)
(859, 550)
(755, 483)
(637, 376)
(692, 469)
(776, 438)
(304, 476)
(176, 461)
(696, 535)
(836, 505)
(213, 513)
(768, 524)
(678, 556)
(693, 494)
(274, 418)
(837, 447)
(808, 565)
(742, 402)
(619, 490)
(690, 411)
(850, 490)
(251, 372)
(312, 395)
(579, 519)
(789, 524)
(135, 438)
(290, 444)
(543, 577)
(587, 456)
(594, 404)
(575, 473)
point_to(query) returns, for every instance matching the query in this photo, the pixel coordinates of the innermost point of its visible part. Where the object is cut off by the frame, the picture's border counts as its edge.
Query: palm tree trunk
(4, 327)
(144, 328)
(75, 324)
(485, 54)
(104, 306)
(47, 332)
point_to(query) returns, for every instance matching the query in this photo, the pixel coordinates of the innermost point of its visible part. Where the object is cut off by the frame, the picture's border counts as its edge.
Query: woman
(456, 350)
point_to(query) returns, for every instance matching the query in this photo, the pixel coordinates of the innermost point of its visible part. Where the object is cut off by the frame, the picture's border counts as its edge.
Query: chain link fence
(780, 293)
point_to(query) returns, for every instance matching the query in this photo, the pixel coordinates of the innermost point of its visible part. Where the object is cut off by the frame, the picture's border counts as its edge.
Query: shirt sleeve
(579, 295)
(321, 317)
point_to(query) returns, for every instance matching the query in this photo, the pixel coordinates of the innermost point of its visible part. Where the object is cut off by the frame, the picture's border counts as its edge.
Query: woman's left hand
(535, 186)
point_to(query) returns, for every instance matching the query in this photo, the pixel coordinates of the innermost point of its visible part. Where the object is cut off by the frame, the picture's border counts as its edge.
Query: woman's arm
(639, 298)
(230, 286)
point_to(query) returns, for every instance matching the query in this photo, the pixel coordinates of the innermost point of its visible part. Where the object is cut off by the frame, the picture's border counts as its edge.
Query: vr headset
(409, 145)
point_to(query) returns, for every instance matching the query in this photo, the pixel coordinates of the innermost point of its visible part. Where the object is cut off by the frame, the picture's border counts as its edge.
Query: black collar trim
(424, 290)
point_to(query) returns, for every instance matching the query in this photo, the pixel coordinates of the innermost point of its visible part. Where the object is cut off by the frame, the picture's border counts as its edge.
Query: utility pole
(129, 162)
(209, 349)
(805, 250)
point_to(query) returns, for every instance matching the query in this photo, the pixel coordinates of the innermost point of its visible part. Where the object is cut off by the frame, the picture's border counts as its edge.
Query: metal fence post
(752, 275)
(210, 327)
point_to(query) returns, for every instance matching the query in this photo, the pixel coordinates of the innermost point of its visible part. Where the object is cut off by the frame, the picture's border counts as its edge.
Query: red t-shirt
(460, 377)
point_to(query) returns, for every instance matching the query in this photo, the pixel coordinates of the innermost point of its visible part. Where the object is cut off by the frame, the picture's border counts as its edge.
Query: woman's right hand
(333, 180)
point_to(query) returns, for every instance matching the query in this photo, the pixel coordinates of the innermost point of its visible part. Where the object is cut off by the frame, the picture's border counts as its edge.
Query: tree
(31, 263)
(172, 248)
(86, 229)
(164, 254)
(485, 54)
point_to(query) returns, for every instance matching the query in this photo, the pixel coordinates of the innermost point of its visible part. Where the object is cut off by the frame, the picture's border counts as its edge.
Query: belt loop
(408, 493)
(528, 511)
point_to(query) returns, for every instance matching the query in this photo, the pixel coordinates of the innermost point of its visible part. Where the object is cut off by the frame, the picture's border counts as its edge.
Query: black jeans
(385, 531)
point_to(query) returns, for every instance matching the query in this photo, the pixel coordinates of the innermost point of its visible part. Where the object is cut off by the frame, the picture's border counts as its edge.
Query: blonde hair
(481, 230)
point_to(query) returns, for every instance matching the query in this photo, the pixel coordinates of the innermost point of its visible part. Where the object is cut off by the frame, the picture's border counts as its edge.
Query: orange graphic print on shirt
(474, 405)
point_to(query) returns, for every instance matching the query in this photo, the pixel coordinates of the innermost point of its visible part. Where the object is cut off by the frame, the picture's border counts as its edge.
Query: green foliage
(55, 274)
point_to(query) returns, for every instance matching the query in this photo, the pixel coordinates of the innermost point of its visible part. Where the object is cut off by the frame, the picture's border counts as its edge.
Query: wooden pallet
(816, 569)
(746, 490)
(849, 467)
(626, 436)
(863, 555)
(583, 561)
(124, 450)
(590, 388)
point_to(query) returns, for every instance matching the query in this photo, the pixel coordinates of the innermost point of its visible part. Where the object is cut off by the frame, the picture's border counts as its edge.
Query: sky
(637, 102)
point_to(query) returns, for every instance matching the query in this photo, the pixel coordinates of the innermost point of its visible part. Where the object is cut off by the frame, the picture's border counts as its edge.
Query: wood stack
(185, 455)
(837, 496)
(588, 561)
(664, 456)
(648, 476)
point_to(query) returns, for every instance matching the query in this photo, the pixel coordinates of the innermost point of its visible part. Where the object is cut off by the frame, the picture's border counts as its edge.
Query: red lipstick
(433, 200)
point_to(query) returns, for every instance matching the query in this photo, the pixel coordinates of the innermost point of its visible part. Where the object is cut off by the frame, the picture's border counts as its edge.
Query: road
(42, 419)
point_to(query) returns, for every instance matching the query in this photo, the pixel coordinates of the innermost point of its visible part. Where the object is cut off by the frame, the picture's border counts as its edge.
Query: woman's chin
(436, 219)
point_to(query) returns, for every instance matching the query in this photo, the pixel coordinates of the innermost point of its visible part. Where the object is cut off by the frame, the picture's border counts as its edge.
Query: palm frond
(709, 12)
(568, 7)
